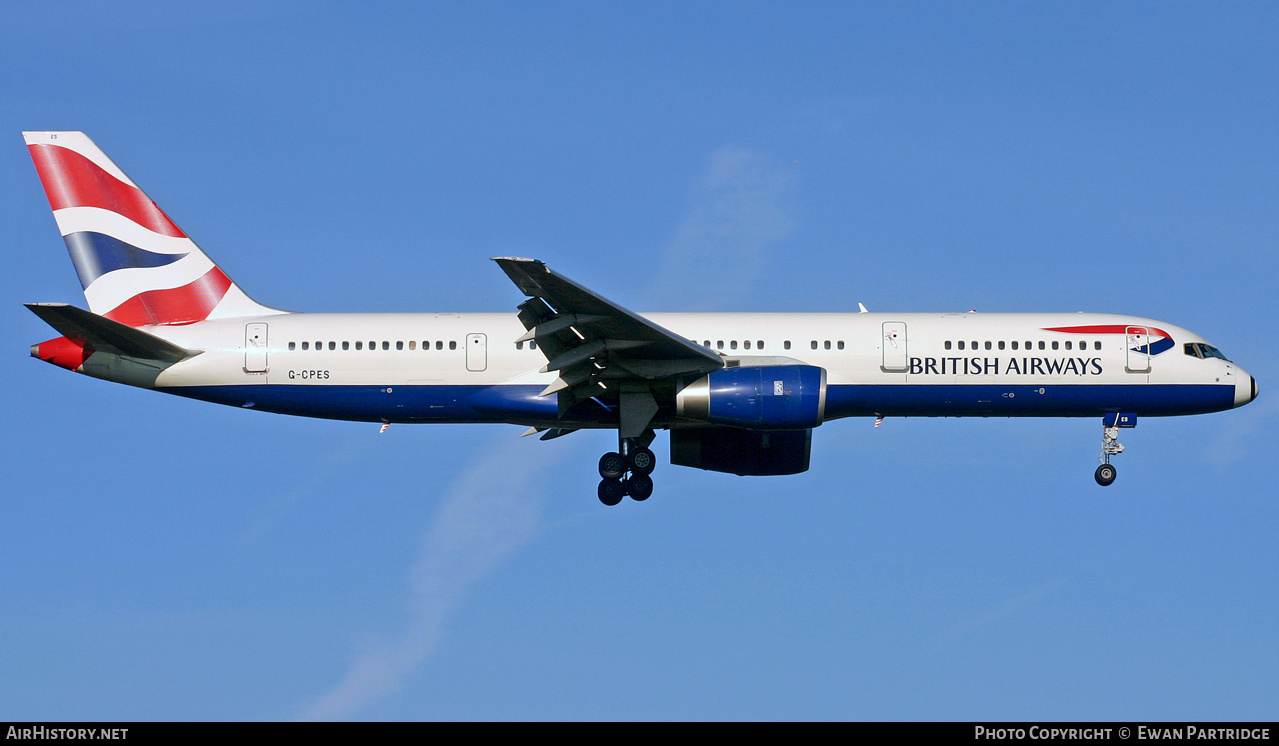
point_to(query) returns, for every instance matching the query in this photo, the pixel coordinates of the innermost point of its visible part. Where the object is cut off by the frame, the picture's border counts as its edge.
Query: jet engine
(773, 397)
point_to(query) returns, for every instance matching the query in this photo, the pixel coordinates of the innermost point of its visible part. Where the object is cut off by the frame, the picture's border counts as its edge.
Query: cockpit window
(1205, 351)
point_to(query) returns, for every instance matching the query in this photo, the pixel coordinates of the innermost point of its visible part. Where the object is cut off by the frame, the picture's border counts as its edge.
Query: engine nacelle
(749, 453)
(773, 397)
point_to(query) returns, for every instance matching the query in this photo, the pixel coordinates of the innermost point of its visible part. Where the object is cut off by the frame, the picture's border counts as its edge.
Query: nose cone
(1245, 388)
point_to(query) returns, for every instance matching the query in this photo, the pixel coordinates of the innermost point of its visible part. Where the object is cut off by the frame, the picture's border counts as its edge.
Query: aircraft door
(476, 352)
(894, 346)
(255, 348)
(1137, 342)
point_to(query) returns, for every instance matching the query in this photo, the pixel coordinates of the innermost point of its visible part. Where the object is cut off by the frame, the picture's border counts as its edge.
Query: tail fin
(136, 266)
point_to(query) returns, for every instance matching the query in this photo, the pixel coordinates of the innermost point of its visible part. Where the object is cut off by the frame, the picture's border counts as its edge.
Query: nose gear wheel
(1110, 446)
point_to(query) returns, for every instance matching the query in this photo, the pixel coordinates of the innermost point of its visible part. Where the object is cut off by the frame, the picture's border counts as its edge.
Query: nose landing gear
(1110, 445)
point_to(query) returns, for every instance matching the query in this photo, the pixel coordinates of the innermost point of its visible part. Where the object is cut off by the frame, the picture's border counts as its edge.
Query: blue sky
(167, 559)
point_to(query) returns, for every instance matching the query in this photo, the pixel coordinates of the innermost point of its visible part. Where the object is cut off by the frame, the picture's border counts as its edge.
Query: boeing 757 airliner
(740, 392)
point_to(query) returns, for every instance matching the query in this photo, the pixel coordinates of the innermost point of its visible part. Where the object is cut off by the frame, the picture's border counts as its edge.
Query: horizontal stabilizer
(99, 333)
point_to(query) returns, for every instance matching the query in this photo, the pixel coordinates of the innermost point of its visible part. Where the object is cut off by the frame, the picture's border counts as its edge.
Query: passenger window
(719, 344)
(814, 344)
(532, 345)
(706, 343)
(732, 345)
(961, 344)
(439, 345)
(759, 345)
(306, 345)
(1014, 344)
(1067, 344)
(988, 345)
(1096, 345)
(519, 345)
(1001, 345)
(412, 344)
(1041, 345)
(786, 345)
(826, 344)
(1054, 344)
(840, 344)
(293, 345)
(333, 345)
(453, 345)
(746, 345)
(359, 345)
(948, 344)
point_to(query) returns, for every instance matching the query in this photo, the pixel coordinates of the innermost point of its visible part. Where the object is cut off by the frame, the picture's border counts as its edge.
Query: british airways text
(993, 366)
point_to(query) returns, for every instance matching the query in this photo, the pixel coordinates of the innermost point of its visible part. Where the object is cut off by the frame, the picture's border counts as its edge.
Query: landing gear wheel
(612, 466)
(640, 486)
(642, 461)
(611, 491)
(1105, 475)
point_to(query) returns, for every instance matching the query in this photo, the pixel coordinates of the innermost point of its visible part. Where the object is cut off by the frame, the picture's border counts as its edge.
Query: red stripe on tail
(182, 305)
(71, 180)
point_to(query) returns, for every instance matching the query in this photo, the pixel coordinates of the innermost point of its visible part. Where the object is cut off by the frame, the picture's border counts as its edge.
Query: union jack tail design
(136, 266)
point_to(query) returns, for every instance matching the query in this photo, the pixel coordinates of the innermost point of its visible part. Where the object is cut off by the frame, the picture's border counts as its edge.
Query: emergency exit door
(1137, 341)
(255, 348)
(894, 346)
(476, 352)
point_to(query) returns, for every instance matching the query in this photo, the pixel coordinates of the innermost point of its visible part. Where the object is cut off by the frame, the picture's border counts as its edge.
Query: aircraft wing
(597, 347)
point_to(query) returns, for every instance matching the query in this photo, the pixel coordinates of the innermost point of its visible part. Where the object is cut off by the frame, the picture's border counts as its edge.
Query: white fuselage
(425, 367)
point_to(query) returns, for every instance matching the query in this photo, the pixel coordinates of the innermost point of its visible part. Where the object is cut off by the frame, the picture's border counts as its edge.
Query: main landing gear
(627, 472)
(1110, 445)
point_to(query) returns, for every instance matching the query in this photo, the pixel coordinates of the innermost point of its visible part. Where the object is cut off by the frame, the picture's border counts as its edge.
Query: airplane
(740, 393)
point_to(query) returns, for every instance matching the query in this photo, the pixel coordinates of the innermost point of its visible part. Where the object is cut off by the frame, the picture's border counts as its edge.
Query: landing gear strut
(1110, 445)
(626, 472)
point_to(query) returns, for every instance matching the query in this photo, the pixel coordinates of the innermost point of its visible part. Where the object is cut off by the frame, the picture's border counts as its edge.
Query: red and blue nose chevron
(1153, 339)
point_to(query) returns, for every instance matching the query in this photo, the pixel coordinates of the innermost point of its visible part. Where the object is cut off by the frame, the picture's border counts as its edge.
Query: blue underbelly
(521, 403)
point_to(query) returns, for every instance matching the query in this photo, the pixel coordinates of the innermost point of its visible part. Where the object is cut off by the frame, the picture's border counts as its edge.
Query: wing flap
(597, 317)
(601, 350)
